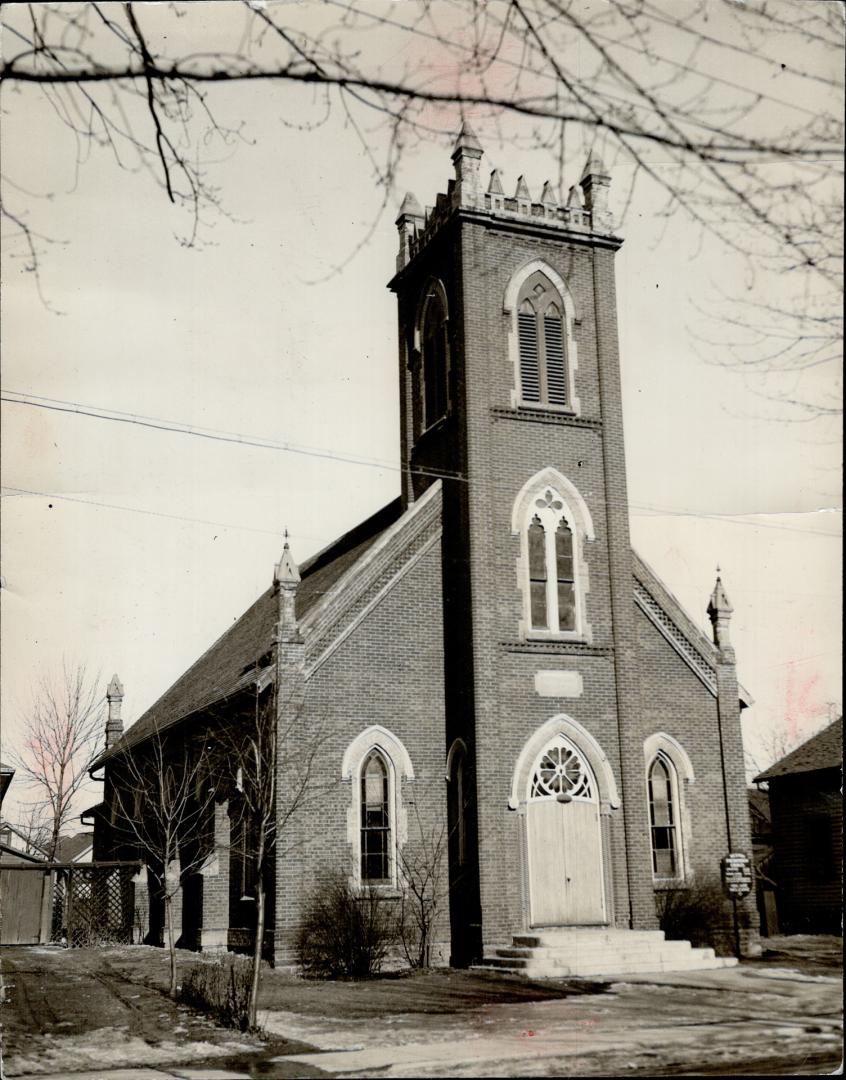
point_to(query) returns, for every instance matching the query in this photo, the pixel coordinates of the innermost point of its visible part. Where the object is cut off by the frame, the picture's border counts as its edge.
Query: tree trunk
(257, 948)
(171, 944)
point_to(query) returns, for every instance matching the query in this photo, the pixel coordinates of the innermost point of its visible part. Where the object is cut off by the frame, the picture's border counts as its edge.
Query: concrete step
(600, 951)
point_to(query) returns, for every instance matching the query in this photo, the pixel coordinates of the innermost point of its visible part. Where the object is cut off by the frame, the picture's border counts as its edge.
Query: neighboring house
(6, 774)
(15, 844)
(806, 807)
(484, 658)
(76, 849)
(762, 858)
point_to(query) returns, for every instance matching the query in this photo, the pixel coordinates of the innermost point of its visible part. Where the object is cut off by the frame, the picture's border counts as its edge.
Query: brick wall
(389, 672)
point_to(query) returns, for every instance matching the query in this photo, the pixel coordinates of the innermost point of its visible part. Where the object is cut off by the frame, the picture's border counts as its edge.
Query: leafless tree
(34, 828)
(733, 111)
(424, 869)
(162, 794)
(61, 736)
(273, 763)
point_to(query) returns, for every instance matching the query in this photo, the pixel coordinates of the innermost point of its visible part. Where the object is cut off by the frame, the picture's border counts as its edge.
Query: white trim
(376, 737)
(577, 515)
(585, 743)
(664, 746)
(673, 749)
(355, 574)
(509, 307)
(340, 638)
(400, 769)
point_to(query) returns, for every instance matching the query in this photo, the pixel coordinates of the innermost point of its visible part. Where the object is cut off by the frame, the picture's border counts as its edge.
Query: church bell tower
(510, 394)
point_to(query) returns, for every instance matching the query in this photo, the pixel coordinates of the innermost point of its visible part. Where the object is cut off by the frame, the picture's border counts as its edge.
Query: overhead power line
(237, 438)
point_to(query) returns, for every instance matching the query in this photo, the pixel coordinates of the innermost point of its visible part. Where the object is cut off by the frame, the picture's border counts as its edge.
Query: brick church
(485, 659)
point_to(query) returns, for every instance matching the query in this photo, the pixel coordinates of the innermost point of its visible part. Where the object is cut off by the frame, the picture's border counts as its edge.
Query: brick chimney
(114, 724)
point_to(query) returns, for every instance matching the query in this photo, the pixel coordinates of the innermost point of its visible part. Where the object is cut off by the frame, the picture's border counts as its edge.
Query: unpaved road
(83, 1009)
(73, 1011)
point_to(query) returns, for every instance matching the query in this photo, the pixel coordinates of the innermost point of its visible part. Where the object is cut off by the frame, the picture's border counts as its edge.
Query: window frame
(549, 498)
(433, 291)
(389, 855)
(660, 760)
(519, 289)
(400, 771)
(662, 746)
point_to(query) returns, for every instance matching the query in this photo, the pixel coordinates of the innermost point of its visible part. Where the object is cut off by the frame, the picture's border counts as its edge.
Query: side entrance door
(564, 840)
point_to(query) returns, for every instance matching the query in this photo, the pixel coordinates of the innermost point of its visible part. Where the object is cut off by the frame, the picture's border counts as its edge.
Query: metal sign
(737, 874)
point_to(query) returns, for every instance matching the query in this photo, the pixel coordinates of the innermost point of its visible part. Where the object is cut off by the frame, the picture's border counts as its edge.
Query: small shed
(806, 809)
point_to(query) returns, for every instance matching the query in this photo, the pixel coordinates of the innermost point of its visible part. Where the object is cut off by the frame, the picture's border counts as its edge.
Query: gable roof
(229, 665)
(667, 614)
(6, 774)
(71, 847)
(822, 751)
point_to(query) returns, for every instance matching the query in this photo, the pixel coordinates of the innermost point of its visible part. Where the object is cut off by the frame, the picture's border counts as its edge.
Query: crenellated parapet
(585, 211)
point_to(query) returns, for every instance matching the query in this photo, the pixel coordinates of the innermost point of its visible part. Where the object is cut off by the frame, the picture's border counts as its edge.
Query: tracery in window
(375, 820)
(435, 349)
(663, 818)
(541, 343)
(551, 566)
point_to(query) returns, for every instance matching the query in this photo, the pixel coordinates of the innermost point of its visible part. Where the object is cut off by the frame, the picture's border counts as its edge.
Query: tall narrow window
(566, 579)
(375, 821)
(551, 560)
(541, 343)
(662, 818)
(537, 573)
(435, 360)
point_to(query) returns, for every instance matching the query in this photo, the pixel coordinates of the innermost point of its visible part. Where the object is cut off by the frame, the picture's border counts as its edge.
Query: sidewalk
(722, 1019)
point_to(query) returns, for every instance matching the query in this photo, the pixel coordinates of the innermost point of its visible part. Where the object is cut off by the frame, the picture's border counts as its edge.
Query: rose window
(561, 771)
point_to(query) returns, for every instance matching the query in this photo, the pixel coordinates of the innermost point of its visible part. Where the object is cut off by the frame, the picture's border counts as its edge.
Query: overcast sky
(131, 549)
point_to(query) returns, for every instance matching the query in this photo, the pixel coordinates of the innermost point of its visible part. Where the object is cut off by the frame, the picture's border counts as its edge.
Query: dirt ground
(75, 1010)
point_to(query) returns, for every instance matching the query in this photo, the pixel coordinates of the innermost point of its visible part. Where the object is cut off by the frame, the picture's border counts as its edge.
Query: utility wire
(155, 423)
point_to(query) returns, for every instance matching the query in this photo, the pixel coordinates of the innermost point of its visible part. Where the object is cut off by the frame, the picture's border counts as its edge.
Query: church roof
(823, 751)
(229, 665)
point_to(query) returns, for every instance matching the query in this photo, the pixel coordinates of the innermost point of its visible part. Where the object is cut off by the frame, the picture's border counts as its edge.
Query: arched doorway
(564, 838)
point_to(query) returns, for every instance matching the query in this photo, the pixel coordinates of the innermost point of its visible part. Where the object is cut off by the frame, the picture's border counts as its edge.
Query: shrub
(221, 988)
(345, 933)
(699, 913)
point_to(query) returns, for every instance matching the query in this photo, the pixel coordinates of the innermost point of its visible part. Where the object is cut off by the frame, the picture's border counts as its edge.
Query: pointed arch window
(435, 349)
(541, 343)
(551, 559)
(664, 818)
(375, 820)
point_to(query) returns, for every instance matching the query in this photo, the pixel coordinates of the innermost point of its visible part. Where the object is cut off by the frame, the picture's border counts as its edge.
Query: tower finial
(720, 612)
(467, 143)
(114, 722)
(467, 157)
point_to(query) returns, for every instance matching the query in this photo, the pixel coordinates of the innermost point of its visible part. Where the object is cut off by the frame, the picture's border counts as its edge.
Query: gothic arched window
(541, 343)
(435, 349)
(550, 560)
(375, 820)
(664, 818)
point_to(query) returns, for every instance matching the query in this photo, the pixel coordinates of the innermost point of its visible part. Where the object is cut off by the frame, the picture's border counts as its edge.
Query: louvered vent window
(435, 361)
(529, 367)
(541, 344)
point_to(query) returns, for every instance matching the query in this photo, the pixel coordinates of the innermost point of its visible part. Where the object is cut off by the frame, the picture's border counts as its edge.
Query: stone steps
(586, 951)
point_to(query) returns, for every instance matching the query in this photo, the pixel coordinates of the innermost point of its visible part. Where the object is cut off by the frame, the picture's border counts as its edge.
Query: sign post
(736, 873)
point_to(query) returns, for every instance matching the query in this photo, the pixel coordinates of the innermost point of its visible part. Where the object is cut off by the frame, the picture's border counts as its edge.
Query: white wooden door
(564, 840)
